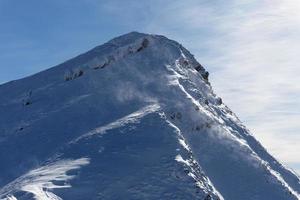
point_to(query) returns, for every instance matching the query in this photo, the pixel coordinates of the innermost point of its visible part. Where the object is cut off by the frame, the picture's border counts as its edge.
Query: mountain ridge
(141, 101)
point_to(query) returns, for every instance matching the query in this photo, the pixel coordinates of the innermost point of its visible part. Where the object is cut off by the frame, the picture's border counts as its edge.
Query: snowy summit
(135, 118)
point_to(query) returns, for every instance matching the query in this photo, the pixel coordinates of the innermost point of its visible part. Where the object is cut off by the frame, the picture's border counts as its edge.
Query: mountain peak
(134, 118)
(128, 38)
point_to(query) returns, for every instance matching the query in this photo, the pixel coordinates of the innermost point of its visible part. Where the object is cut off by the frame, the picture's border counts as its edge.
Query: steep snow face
(135, 118)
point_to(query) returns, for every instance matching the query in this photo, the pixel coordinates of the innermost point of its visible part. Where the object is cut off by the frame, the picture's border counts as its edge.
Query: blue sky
(250, 48)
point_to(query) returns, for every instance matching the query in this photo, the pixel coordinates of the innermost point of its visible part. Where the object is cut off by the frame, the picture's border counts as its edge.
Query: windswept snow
(219, 128)
(174, 80)
(9, 197)
(201, 180)
(128, 119)
(281, 180)
(41, 181)
(189, 145)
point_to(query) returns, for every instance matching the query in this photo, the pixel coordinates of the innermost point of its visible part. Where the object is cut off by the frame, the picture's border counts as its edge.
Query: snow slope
(134, 118)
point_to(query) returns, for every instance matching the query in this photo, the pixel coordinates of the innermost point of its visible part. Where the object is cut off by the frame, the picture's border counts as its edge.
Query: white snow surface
(128, 119)
(39, 181)
(134, 118)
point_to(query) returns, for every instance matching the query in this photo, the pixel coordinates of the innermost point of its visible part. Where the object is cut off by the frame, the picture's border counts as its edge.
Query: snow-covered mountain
(135, 118)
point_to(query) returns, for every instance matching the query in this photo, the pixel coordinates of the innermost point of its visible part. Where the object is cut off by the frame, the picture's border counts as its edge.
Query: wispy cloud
(250, 48)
